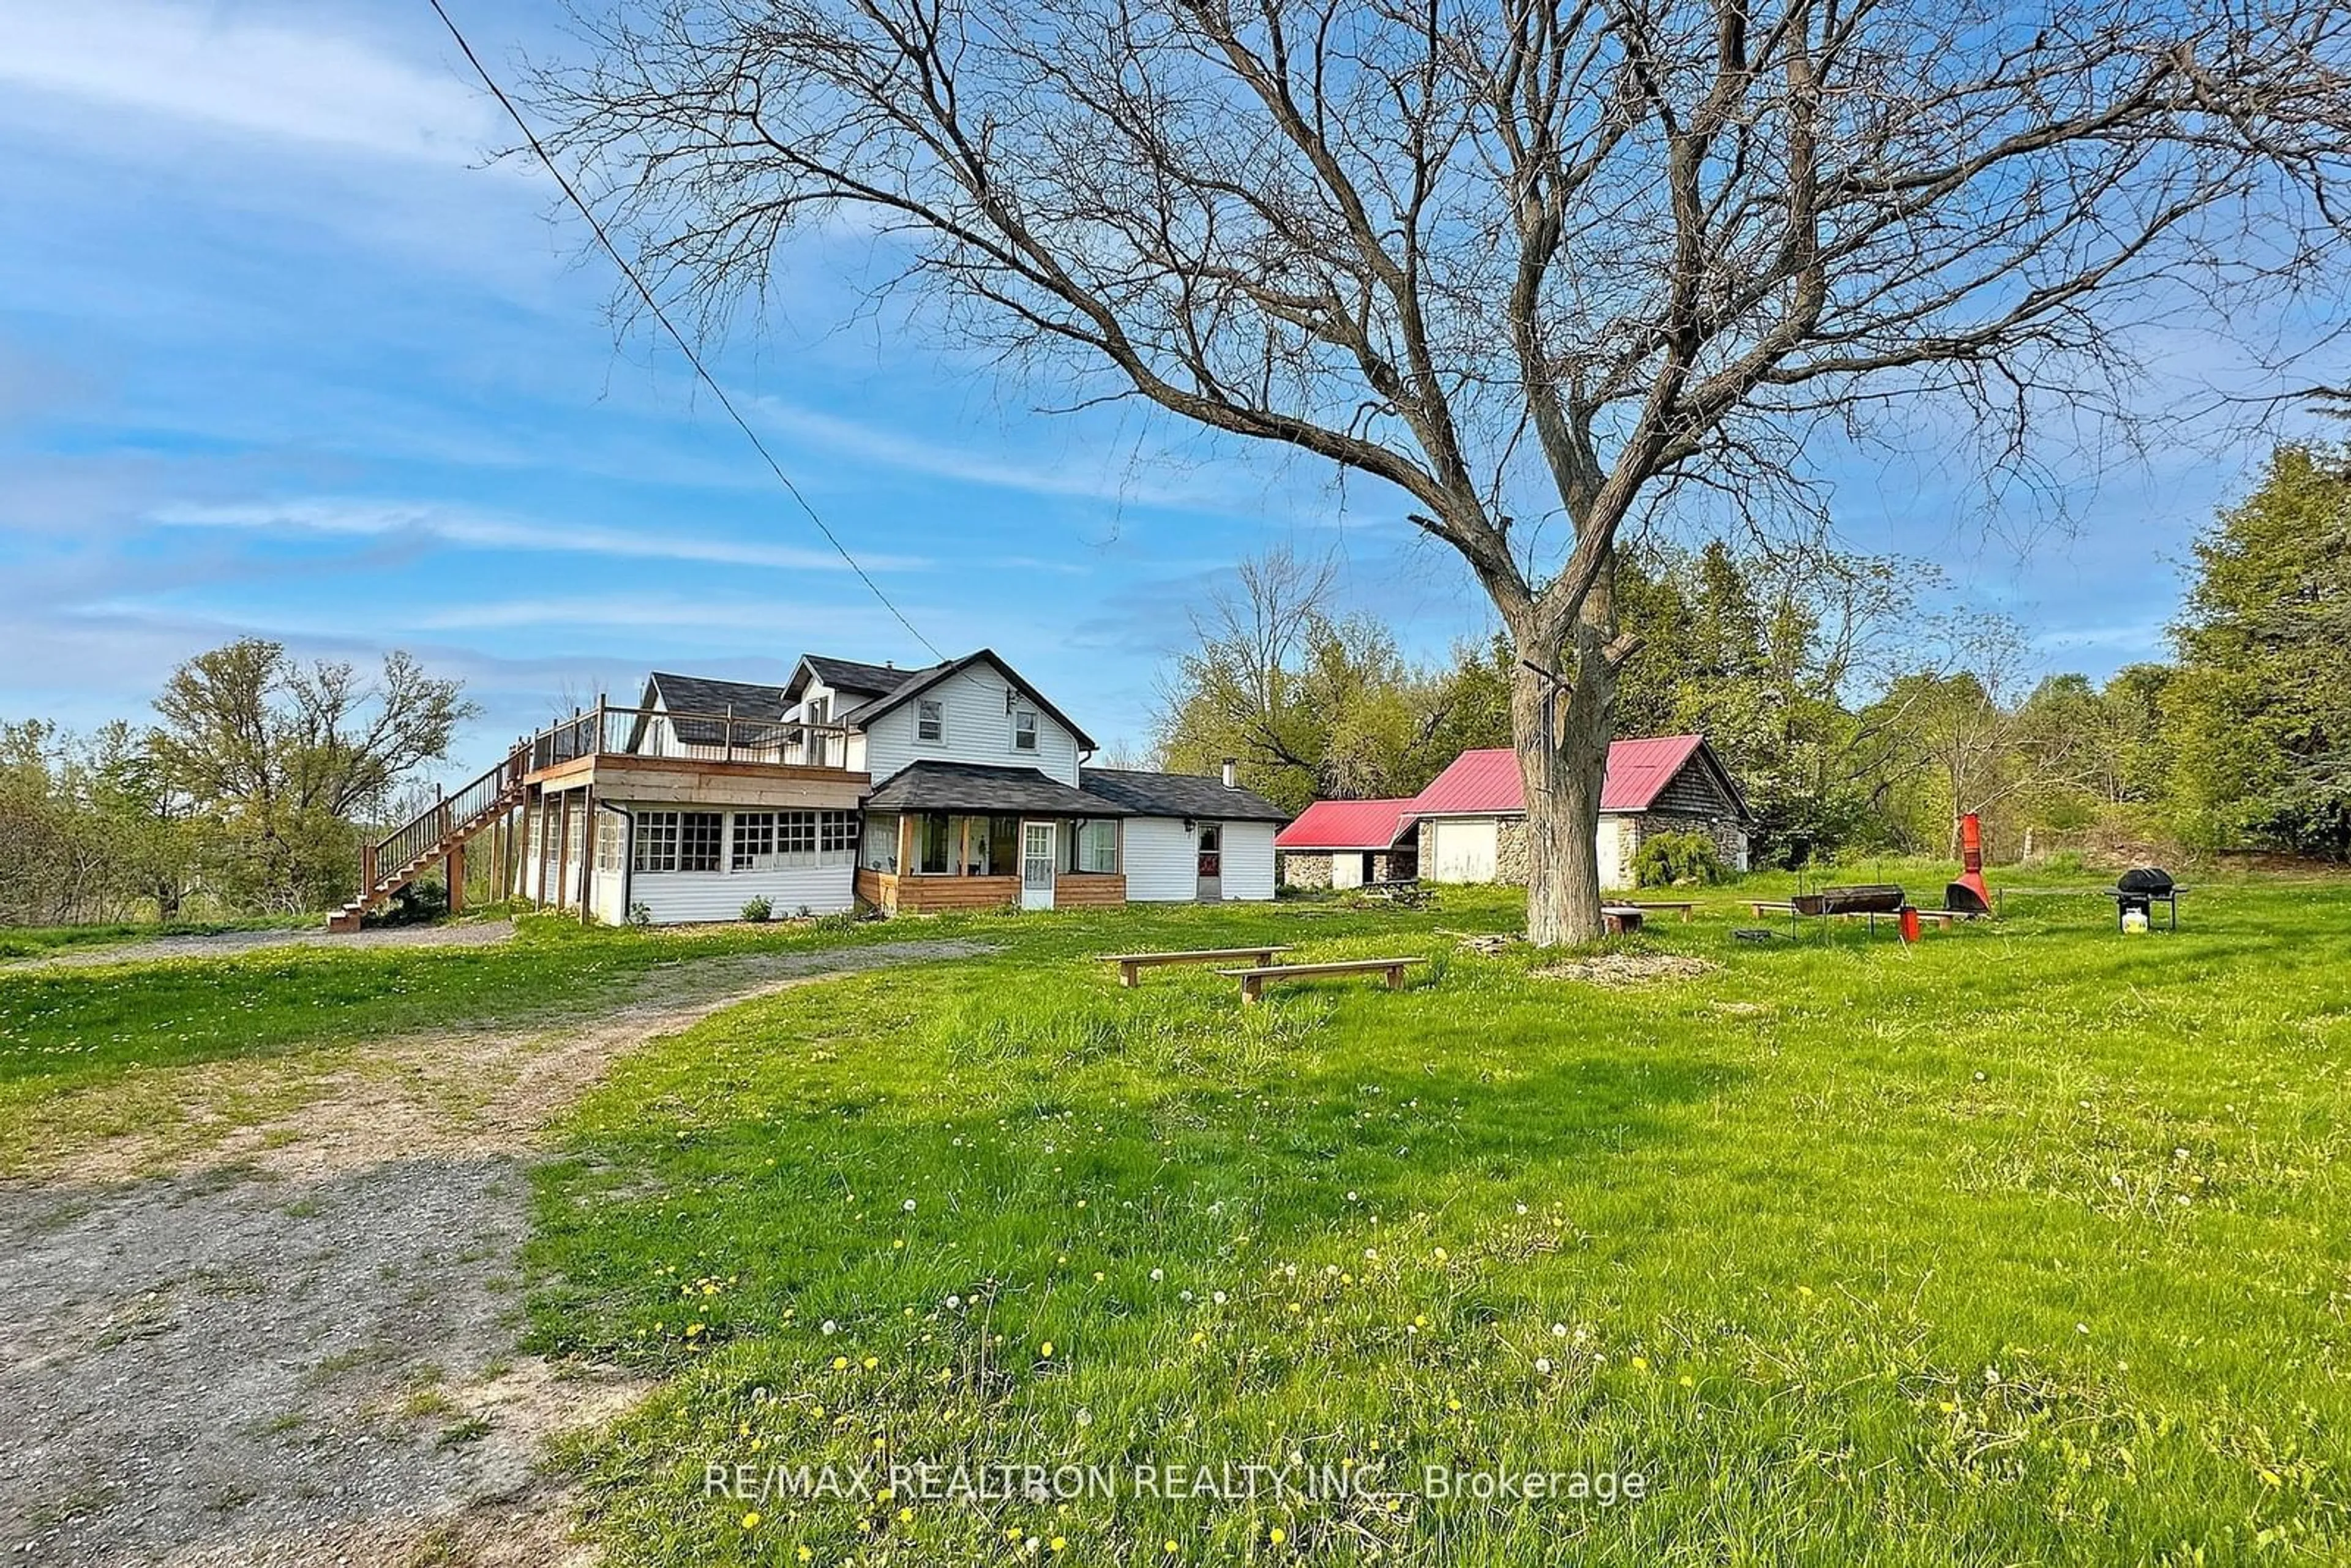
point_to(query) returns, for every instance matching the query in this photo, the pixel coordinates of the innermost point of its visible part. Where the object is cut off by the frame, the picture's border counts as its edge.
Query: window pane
(1024, 730)
(656, 841)
(880, 852)
(755, 840)
(699, 835)
(934, 843)
(931, 720)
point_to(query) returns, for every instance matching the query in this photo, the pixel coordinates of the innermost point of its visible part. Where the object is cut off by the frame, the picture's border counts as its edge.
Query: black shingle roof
(854, 676)
(707, 699)
(1178, 795)
(975, 786)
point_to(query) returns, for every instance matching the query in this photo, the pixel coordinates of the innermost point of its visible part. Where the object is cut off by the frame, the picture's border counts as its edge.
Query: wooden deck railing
(601, 731)
(607, 731)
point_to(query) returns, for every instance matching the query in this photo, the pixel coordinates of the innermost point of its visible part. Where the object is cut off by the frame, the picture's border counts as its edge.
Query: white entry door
(1037, 840)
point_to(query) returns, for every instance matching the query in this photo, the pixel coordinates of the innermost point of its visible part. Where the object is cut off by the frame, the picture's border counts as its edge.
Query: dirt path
(303, 1351)
(228, 944)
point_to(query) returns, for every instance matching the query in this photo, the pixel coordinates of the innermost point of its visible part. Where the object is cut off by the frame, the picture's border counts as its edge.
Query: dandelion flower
(1543, 1365)
(908, 1206)
(1158, 1274)
(1060, 1543)
(830, 1327)
(751, 1520)
(1640, 1363)
(1559, 1331)
(1218, 1297)
(1276, 1535)
(1046, 1350)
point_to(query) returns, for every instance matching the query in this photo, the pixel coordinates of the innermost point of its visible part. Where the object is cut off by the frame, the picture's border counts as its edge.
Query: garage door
(1465, 851)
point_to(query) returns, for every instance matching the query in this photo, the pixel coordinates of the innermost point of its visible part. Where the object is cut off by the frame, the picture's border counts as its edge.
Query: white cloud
(594, 612)
(478, 530)
(1022, 472)
(266, 78)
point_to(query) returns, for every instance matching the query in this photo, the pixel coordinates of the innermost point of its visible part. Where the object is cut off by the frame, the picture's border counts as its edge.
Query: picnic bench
(1687, 906)
(1253, 980)
(1131, 965)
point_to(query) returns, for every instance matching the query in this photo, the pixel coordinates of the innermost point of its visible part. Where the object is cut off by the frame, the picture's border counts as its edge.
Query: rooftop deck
(654, 754)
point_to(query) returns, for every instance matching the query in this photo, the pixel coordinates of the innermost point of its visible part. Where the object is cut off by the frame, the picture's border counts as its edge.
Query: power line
(654, 305)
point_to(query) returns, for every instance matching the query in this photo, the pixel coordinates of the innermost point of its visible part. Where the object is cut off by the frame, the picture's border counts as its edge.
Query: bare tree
(1541, 265)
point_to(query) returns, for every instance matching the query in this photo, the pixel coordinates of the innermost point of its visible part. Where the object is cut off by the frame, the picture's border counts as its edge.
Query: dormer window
(930, 720)
(1024, 730)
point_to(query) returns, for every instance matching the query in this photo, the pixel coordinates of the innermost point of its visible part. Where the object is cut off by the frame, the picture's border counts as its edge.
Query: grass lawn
(2028, 1244)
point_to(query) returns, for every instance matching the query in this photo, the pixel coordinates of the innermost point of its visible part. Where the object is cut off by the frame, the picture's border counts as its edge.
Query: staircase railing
(600, 731)
(432, 827)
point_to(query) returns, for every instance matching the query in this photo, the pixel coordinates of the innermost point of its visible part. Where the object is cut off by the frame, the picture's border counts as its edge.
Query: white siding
(672, 896)
(1249, 859)
(675, 896)
(977, 730)
(1463, 850)
(1162, 862)
(1346, 868)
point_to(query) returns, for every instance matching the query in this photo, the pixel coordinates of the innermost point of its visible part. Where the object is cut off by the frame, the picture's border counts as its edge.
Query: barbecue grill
(1870, 898)
(2139, 889)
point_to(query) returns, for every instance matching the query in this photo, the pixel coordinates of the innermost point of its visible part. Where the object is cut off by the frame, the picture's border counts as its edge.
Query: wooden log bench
(1253, 980)
(1686, 907)
(1131, 965)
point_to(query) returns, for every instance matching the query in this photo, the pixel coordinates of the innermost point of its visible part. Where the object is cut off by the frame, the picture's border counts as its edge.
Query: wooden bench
(1617, 919)
(1764, 907)
(1131, 965)
(1688, 909)
(1253, 980)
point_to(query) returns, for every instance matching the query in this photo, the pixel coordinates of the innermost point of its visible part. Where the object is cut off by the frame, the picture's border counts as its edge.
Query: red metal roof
(1482, 783)
(1347, 825)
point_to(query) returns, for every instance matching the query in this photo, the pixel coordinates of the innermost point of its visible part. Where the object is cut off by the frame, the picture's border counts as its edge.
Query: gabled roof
(982, 788)
(709, 702)
(921, 681)
(1487, 783)
(1348, 825)
(853, 677)
(701, 695)
(1178, 795)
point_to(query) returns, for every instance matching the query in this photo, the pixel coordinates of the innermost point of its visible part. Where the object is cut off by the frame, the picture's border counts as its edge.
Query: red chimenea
(1969, 896)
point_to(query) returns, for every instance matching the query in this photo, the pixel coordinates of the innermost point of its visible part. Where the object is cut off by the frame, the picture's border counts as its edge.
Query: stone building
(1347, 844)
(1471, 821)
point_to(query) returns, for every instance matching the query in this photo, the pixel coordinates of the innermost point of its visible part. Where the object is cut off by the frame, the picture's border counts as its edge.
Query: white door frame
(1035, 893)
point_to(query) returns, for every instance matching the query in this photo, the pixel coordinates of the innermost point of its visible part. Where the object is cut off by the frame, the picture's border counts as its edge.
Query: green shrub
(1678, 860)
(758, 909)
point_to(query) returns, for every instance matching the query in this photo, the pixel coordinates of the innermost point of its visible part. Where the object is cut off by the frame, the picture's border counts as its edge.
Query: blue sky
(281, 354)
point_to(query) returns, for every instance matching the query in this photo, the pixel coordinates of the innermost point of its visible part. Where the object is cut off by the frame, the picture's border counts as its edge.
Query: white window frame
(656, 849)
(930, 712)
(751, 843)
(1028, 716)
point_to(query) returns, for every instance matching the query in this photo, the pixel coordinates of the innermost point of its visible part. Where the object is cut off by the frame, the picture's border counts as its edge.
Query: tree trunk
(1560, 733)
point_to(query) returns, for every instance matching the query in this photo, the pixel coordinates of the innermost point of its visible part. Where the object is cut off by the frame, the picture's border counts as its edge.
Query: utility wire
(654, 305)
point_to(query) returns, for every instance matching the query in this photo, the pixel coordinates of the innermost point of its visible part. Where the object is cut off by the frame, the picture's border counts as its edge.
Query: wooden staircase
(439, 833)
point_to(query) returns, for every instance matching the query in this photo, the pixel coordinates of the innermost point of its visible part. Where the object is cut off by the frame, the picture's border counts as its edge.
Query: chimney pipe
(1232, 773)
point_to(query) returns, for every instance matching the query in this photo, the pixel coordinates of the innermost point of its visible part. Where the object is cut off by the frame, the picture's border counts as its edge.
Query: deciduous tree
(1540, 267)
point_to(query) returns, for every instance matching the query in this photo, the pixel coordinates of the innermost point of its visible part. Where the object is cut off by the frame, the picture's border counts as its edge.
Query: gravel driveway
(306, 1354)
(227, 944)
